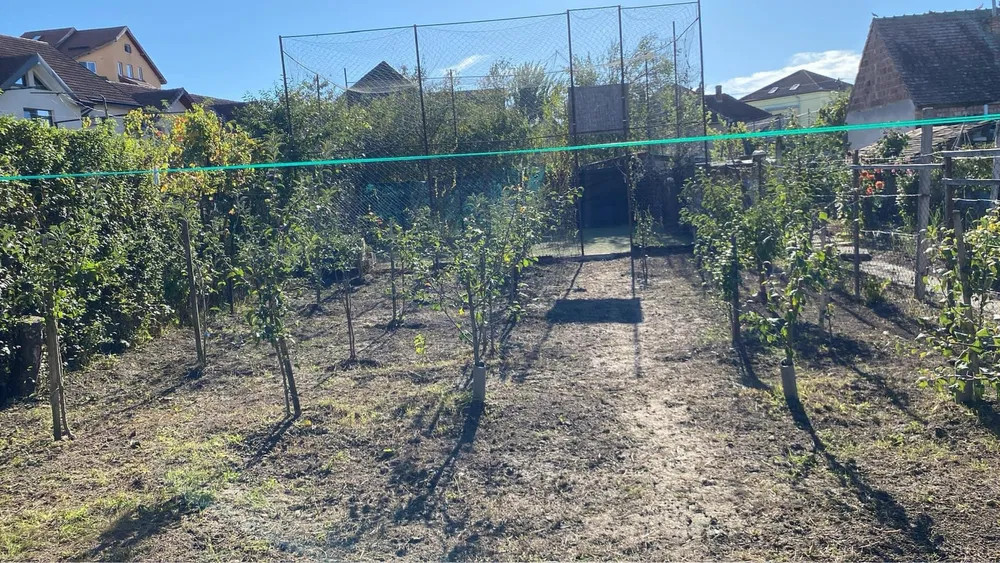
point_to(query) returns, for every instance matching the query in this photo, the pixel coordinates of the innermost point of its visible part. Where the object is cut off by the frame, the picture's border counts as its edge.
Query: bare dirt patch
(618, 426)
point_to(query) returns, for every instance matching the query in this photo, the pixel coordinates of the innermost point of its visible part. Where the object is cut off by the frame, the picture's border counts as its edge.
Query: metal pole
(284, 79)
(649, 130)
(423, 115)
(701, 54)
(572, 132)
(628, 152)
(677, 88)
(454, 114)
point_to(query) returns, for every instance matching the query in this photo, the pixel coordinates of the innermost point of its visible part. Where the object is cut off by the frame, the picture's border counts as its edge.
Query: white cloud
(835, 64)
(462, 64)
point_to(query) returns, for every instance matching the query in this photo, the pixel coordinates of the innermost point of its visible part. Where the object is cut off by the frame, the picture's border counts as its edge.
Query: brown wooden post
(193, 288)
(856, 224)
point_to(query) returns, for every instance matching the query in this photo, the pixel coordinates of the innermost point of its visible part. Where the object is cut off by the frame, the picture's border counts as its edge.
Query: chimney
(718, 93)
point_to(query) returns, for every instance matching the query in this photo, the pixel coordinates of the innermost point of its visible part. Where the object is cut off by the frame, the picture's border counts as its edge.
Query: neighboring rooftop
(86, 86)
(944, 58)
(78, 42)
(798, 83)
(383, 79)
(732, 110)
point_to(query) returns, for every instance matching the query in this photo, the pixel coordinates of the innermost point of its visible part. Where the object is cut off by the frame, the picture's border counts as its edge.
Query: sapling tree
(966, 333)
(316, 237)
(266, 263)
(478, 288)
(807, 268)
(397, 245)
(715, 211)
(644, 236)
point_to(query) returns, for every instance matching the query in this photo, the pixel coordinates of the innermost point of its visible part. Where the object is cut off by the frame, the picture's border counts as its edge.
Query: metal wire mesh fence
(574, 78)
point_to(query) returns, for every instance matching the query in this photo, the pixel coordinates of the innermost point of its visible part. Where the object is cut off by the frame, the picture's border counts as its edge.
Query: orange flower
(879, 185)
(869, 191)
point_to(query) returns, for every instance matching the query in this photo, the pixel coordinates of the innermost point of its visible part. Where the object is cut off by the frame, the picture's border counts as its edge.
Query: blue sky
(228, 48)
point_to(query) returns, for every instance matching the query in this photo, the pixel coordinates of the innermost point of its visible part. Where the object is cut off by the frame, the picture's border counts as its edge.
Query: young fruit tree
(478, 288)
(266, 264)
(966, 333)
(807, 269)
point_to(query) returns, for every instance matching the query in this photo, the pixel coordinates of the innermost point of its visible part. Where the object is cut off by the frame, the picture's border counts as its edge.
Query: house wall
(108, 57)
(803, 105)
(13, 102)
(892, 111)
(878, 84)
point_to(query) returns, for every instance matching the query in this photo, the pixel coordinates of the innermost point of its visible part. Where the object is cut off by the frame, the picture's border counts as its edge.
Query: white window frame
(121, 69)
(89, 65)
(139, 69)
(128, 70)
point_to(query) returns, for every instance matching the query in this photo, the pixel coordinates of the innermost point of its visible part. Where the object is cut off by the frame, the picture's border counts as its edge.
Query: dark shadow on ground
(422, 505)
(988, 416)
(532, 356)
(262, 443)
(125, 535)
(625, 311)
(887, 510)
(815, 345)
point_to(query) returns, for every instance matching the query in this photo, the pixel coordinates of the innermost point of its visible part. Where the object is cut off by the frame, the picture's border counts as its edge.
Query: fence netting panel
(580, 77)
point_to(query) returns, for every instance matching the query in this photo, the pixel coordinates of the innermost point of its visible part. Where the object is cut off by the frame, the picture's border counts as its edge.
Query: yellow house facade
(801, 94)
(111, 52)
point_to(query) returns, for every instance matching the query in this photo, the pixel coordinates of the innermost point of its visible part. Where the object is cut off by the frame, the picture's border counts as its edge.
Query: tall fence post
(968, 392)
(704, 117)
(628, 152)
(572, 132)
(193, 288)
(923, 209)
(856, 223)
(423, 120)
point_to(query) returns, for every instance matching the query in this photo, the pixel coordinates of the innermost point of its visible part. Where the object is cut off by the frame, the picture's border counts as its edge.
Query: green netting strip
(514, 152)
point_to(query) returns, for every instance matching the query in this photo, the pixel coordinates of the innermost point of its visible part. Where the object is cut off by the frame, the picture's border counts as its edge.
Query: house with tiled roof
(39, 82)
(801, 94)
(111, 52)
(934, 64)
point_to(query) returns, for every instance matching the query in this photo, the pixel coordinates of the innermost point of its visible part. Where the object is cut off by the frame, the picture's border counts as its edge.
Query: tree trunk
(284, 377)
(350, 320)
(193, 288)
(290, 377)
(60, 427)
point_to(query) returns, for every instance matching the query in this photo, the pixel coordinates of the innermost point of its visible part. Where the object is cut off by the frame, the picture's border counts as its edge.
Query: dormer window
(772, 90)
(128, 48)
(794, 87)
(89, 65)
